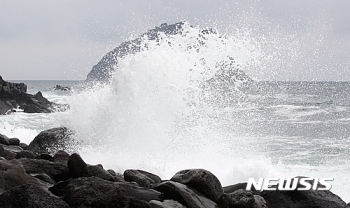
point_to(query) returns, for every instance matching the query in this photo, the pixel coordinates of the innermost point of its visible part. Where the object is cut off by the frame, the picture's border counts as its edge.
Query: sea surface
(272, 129)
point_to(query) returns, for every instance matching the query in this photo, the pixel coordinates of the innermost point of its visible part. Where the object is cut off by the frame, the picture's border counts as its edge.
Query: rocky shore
(43, 174)
(14, 96)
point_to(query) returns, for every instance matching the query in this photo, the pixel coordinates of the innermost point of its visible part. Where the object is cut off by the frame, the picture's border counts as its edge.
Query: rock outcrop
(103, 69)
(63, 180)
(14, 96)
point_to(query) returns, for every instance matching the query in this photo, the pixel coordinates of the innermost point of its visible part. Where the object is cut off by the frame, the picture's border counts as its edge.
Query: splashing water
(167, 106)
(173, 106)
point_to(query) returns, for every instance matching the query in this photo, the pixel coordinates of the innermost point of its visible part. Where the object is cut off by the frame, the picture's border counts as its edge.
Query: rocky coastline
(44, 174)
(14, 96)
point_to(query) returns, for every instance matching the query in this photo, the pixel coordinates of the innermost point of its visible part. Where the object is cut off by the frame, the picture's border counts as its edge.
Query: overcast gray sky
(41, 39)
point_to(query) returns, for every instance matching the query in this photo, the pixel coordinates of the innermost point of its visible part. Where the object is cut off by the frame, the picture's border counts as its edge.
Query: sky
(62, 40)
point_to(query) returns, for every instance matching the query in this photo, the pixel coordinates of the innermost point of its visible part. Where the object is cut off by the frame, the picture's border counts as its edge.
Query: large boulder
(30, 195)
(201, 180)
(97, 171)
(56, 171)
(143, 178)
(12, 174)
(51, 140)
(76, 165)
(239, 198)
(95, 192)
(4, 139)
(308, 198)
(140, 193)
(186, 195)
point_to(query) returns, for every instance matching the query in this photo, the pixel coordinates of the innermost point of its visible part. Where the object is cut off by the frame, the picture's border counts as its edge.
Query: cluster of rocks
(32, 177)
(14, 96)
(62, 88)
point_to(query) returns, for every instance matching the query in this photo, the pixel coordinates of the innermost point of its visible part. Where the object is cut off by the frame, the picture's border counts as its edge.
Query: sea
(157, 114)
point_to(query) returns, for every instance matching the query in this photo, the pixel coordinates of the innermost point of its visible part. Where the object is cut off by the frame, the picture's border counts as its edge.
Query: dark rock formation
(143, 178)
(12, 174)
(141, 193)
(61, 157)
(239, 198)
(51, 140)
(309, 198)
(14, 95)
(95, 192)
(61, 88)
(76, 165)
(25, 154)
(30, 195)
(56, 171)
(201, 180)
(103, 69)
(4, 139)
(97, 171)
(185, 195)
(26, 182)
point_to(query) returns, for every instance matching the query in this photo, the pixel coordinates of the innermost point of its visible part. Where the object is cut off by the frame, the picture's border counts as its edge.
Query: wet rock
(166, 204)
(259, 202)
(14, 95)
(239, 198)
(2, 151)
(103, 70)
(141, 193)
(14, 141)
(56, 171)
(309, 198)
(201, 180)
(4, 139)
(235, 187)
(61, 88)
(143, 178)
(59, 189)
(51, 140)
(44, 177)
(185, 195)
(97, 171)
(95, 192)
(12, 174)
(76, 165)
(12, 148)
(23, 146)
(136, 203)
(44, 156)
(25, 154)
(112, 172)
(61, 157)
(30, 195)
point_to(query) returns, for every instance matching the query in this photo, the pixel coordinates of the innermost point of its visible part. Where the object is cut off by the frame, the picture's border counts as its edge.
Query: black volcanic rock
(61, 88)
(14, 95)
(309, 198)
(30, 195)
(95, 192)
(185, 195)
(143, 178)
(51, 140)
(201, 180)
(12, 174)
(102, 70)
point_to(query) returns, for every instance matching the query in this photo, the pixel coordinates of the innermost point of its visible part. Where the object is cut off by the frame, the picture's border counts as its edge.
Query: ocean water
(159, 115)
